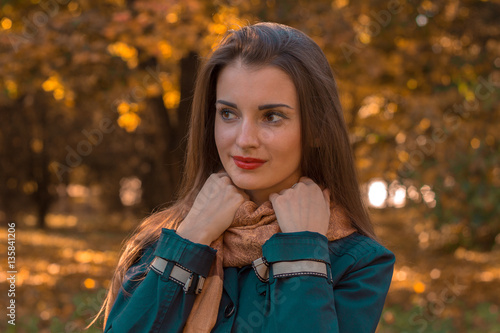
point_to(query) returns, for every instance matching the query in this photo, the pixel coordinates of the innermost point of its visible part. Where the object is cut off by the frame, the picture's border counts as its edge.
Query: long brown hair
(327, 155)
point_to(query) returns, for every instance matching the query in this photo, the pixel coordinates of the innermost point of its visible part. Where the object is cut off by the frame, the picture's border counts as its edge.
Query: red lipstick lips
(247, 163)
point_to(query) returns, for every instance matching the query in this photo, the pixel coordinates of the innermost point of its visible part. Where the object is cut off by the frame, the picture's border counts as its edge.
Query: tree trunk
(167, 166)
(40, 166)
(189, 68)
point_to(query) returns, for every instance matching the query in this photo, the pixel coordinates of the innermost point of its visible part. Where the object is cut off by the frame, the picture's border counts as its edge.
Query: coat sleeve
(360, 289)
(152, 302)
(348, 299)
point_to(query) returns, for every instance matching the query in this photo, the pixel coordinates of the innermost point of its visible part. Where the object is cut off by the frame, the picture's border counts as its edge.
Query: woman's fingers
(306, 180)
(213, 209)
(300, 208)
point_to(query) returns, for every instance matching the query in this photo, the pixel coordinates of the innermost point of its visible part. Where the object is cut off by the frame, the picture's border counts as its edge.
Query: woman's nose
(248, 135)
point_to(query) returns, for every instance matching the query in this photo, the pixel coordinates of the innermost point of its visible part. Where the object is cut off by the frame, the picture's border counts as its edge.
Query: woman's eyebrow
(261, 107)
(227, 103)
(272, 106)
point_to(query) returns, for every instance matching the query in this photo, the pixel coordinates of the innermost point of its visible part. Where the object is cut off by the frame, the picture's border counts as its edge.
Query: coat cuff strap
(299, 267)
(283, 269)
(191, 283)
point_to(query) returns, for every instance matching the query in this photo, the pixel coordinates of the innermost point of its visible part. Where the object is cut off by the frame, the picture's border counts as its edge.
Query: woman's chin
(243, 182)
(245, 187)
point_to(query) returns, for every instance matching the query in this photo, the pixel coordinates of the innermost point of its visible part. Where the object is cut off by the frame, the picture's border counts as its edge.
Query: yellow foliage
(339, 3)
(54, 84)
(475, 143)
(36, 145)
(490, 140)
(419, 287)
(89, 283)
(119, 3)
(50, 84)
(166, 84)
(364, 38)
(359, 132)
(371, 106)
(412, 84)
(132, 63)
(226, 18)
(73, 6)
(53, 269)
(165, 49)
(371, 138)
(84, 256)
(172, 17)
(30, 187)
(124, 51)
(7, 9)
(465, 91)
(401, 42)
(11, 88)
(58, 93)
(6, 23)
(218, 28)
(400, 138)
(172, 98)
(129, 121)
(445, 79)
(392, 107)
(427, 5)
(403, 156)
(134, 107)
(69, 101)
(152, 90)
(424, 124)
(364, 163)
(470, 96)
(123, 108)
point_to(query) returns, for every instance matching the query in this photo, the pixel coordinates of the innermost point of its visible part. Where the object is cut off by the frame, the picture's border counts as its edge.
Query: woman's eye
(273, 117)
(225, 114)
(270, 117)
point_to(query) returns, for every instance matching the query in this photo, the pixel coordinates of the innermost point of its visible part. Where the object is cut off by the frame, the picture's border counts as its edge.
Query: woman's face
(258, 117)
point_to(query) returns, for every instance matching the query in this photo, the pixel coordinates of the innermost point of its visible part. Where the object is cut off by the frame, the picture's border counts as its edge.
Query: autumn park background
(94, 102)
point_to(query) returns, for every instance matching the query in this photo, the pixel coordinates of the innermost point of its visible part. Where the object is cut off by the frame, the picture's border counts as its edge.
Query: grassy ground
(62, 274)
(435, 290)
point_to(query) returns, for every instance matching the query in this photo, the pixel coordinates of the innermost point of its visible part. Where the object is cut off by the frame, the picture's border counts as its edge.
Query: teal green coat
(350, 300)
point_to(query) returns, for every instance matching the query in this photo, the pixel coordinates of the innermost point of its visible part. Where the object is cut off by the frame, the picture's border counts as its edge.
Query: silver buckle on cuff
(261, 268)
(180, 275)
(189, 283)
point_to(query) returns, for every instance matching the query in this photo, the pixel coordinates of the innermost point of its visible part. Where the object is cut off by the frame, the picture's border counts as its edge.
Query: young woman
(269, 232)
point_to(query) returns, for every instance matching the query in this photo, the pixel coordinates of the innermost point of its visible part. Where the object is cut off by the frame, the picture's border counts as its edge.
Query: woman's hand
(304, 207)
(213, 209)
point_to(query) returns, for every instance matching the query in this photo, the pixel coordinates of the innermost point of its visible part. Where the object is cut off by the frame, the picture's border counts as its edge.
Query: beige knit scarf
(241, 244)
